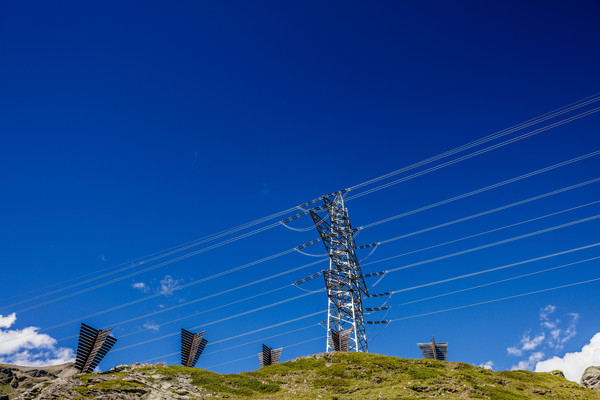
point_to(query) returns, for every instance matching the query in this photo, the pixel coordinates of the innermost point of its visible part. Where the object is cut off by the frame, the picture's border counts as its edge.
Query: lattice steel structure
(192, 345)
(437, 351)
(93, 346)
(344, 280)
(269, 356)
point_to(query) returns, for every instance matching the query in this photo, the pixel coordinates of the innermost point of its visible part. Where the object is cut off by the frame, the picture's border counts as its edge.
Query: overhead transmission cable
(319, 261)
(468, 156)
(443, 311)
(401, 304)
(493, 244)
(212, 343)
(254, 355)
(223, 273)
(498, 281)
(290, 285)
(544, 117)
(185, 246)
(223, 319)
(498, 299)
(410, 266)
(473, 235)
(502, 267)
(314, 263)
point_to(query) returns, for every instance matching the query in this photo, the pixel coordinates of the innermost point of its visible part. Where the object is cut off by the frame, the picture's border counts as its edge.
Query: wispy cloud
(140, 286)
(529, 343)
(546, 311)
(168, 284)
(529, 362)
(151, 325)
(558, 336)
(514, 351)
(552, 336)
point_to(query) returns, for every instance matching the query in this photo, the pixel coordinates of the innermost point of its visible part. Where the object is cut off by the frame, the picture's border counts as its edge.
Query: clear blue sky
(131, 127)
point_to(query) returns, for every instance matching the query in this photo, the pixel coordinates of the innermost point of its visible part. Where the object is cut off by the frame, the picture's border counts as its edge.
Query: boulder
(557, 372)
(591, 378)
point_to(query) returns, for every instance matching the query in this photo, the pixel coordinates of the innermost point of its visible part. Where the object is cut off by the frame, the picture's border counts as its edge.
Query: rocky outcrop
(17, 379)
(591, 378)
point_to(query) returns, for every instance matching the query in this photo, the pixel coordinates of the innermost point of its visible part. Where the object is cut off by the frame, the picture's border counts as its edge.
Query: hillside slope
(15, 379)
(321, 376)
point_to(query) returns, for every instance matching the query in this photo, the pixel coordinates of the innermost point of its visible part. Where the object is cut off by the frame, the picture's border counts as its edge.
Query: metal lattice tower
(344, 280)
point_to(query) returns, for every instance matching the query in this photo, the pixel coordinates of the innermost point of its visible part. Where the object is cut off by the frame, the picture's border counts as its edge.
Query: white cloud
(531, 344)
(11, 341)
(550, 325)
(573, 364)
(558, 336)
(487, 365)
(546, 311)
(168, 284)
(6, 322)
(140, 286)
(554, 334)
(28, 347)
(514, 351)
(58, 356)
(530, 362)
(151, 326)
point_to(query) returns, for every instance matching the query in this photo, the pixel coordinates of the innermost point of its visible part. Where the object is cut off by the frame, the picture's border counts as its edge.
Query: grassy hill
(322, 376)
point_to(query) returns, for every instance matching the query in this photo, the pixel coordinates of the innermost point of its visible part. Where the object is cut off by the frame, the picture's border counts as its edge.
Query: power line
(474, 235)
(254, 355)
(496, 300)
(486, 246)
(386, 241)
(504, 132)
(385, 220)
(486, 188)
(502, 267)
(499, 281)
(493, 210)
(468, 156)
(446, 310)
(183, 304)
(412, 265)
(401, 304)
(223, 319)
(319, 261)
(185, 246)
(249, 333)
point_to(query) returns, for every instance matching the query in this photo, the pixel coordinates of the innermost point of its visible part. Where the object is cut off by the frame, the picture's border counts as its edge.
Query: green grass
(348, 376)
(236, 384)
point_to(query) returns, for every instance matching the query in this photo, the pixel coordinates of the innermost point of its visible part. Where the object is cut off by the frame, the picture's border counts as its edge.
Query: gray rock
(40, 373)
(557, 372)
(591, 378)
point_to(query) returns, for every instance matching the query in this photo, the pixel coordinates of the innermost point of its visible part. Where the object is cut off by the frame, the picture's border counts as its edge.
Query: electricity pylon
(344, 280)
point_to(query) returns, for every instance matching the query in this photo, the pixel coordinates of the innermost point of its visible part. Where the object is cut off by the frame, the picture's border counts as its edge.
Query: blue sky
(130, 128)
